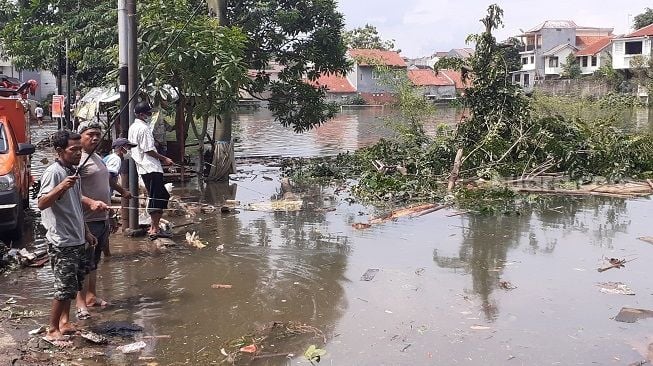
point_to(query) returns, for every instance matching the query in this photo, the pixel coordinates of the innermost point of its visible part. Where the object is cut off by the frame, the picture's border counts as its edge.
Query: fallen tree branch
(572, 192)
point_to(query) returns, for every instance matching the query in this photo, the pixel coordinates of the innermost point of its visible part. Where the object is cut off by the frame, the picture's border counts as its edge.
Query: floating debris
(648, 239)
(276, 206)
(248, 349)
(361, 226)
(479, 327)
(194, 240)
(615, 288)
(615, 263)
(630, 315)
(217, 286)
(94, 337)
(369, 274)
(132, 347)
(505, 285)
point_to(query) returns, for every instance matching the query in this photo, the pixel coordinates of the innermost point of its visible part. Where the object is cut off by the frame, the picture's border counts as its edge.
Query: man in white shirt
(38, 111)
(148, 164)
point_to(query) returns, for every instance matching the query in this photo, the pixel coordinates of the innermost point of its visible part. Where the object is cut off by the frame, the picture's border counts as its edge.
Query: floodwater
(439, 297)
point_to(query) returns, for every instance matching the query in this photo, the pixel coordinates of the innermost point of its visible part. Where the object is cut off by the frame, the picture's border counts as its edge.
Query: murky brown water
(436, 300)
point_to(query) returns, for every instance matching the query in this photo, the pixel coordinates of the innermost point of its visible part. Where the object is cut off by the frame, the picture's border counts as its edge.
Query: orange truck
(15, 152)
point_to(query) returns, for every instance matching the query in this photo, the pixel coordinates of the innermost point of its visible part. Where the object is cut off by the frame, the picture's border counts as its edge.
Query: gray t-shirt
(64, 220)
(95, 185)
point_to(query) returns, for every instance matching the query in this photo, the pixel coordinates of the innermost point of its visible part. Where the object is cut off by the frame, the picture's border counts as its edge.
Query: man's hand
(69, 182)
(167, 161)
(128, 195)
(98, 206)
(90, 239)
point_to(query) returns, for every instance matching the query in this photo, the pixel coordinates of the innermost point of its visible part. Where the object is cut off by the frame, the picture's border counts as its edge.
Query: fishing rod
(135, 93)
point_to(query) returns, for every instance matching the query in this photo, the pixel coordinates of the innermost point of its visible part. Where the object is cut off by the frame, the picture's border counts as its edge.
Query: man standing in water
(96, 187)
(60, 200)
(148, 164)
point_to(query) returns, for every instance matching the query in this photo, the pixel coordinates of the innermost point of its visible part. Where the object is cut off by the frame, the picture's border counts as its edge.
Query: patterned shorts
(68, 265)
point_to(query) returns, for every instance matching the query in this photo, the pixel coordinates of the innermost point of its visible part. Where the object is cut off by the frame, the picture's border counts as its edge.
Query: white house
(592, 57)
(556, 57)
(626, 48)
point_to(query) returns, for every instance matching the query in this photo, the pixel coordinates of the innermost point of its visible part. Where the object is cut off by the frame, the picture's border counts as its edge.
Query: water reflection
(486, 241)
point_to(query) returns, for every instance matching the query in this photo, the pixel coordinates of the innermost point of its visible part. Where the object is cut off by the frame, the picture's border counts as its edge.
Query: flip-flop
(59, 342)
(83, 314)
(99, 303)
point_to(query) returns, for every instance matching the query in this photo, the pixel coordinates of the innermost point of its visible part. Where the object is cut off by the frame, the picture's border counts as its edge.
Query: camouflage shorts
(68, 265)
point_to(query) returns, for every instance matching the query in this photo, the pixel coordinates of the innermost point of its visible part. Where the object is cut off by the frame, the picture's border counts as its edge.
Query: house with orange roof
(546, 44)
(338, 88)
(594, 55)
(366, 76)
(434, 86)
(628, 47)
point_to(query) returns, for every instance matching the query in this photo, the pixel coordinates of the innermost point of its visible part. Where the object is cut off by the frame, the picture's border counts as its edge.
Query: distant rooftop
(642, 32)
(368, 57)
(595, 47)
(553, 24)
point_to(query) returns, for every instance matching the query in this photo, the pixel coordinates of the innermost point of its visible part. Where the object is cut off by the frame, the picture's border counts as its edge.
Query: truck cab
(15, 152)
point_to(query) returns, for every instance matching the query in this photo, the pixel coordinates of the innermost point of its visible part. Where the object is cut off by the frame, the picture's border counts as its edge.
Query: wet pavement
(464, 289)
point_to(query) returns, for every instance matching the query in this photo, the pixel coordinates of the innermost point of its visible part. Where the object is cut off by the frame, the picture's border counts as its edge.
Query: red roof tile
(367, 57)
(642, 32)
(334, 83)
(586, 41)
(457, 78)
(595, 47)
(428, 77)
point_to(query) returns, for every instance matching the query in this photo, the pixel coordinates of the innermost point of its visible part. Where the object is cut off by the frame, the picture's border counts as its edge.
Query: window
(532, 59)
(634, 48)
(524, 60)
(3, 140)
(583, 62)
(618, 47)
(553, 61)
(594, 61)
(517, 78)
(527, 80)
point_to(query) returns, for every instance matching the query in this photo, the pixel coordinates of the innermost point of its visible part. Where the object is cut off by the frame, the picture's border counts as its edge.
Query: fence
(576, 87)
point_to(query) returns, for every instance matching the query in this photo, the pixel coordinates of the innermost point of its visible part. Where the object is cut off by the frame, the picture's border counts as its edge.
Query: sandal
(83, 314)
(98, 303)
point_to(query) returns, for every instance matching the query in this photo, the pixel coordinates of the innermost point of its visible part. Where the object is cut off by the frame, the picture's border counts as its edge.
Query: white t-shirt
(141, 135)
(39, 112)
(113, 163)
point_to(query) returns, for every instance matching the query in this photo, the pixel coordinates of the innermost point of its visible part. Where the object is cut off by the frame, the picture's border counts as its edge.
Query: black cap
(121, 141)
(142, 108)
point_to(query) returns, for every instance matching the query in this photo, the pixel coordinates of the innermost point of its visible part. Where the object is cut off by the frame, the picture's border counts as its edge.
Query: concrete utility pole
(123, 55)
(223, 163)
(68, 103)
(133, 86)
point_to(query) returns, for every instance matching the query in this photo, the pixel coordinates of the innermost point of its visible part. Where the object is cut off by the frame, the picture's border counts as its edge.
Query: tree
(367, 37)
(305, 38)
(643, 19)
(571, 68)
(35, 35)
(642, 69)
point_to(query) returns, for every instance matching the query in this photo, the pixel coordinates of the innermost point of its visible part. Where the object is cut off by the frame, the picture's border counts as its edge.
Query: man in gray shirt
(60, 200)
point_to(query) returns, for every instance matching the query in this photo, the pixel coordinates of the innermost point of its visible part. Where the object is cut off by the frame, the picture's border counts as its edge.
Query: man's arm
(94, 205)
(164, 159)
(113, 182)
(47, 199)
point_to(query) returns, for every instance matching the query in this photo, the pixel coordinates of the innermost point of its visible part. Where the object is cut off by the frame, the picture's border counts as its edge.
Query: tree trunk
(455, 171)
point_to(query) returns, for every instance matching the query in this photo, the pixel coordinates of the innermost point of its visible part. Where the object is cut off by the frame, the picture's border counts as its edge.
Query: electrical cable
(135, 93)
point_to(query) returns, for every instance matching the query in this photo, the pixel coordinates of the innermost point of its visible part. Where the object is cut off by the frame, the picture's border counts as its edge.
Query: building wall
(339, 97)
(438, 92)
(366, 83)
(619, 58)
(552, 37)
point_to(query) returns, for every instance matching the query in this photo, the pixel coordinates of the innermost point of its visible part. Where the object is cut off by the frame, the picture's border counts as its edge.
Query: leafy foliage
(506, 134)
(367, 37)
(643, 19)
(35, 36)
(571, 67)
(305, 38)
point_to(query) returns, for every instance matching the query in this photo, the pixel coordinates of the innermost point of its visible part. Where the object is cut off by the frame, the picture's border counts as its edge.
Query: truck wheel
(15, 235)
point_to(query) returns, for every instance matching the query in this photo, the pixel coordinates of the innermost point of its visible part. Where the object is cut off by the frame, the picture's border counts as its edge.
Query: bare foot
(53, 335)
(67, 328)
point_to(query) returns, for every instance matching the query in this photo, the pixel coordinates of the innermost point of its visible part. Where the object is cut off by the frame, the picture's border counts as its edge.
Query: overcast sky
(421, 27)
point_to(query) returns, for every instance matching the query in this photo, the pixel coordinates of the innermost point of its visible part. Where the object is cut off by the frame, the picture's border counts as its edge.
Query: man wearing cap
(148, 164)
(121, 147)
(96, 197)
